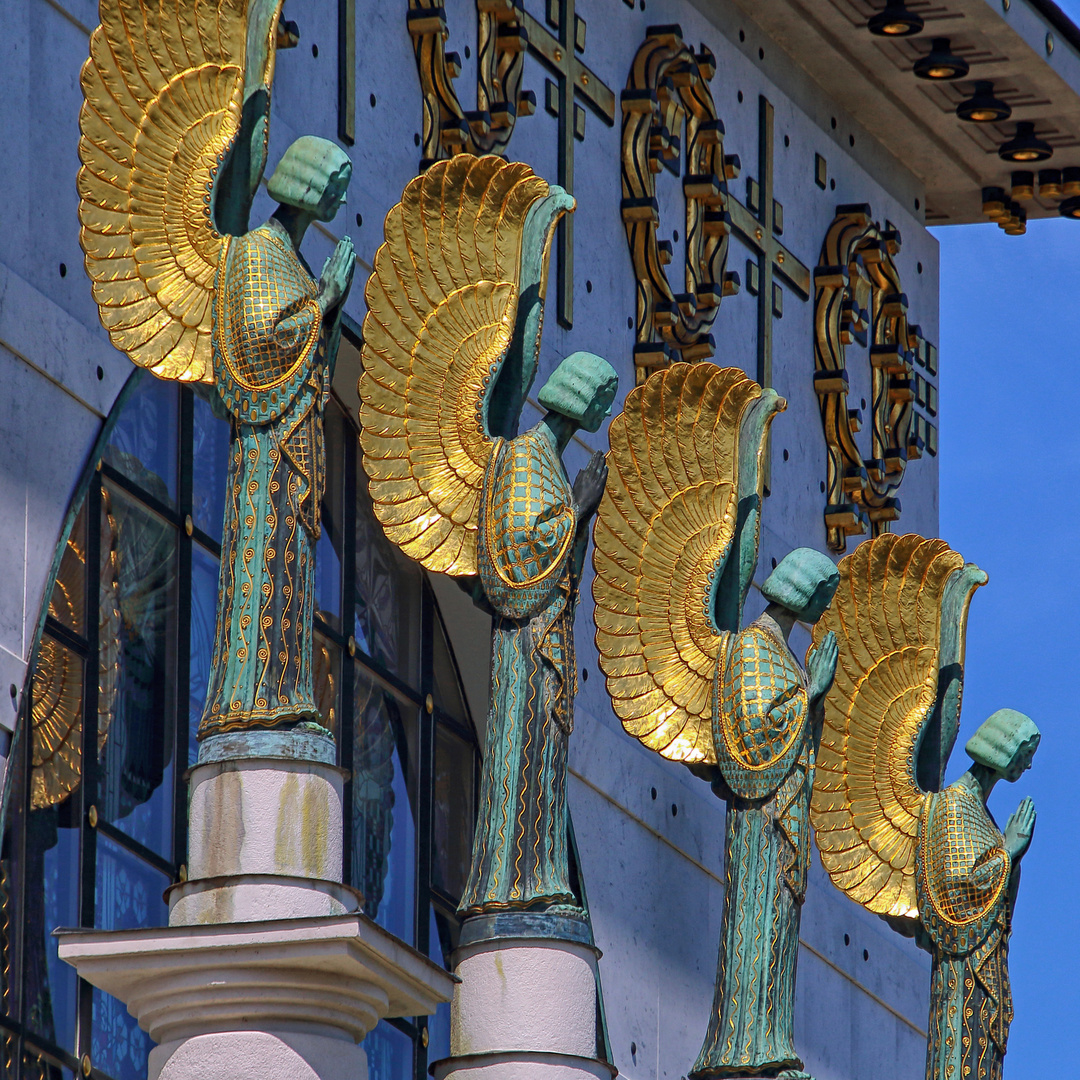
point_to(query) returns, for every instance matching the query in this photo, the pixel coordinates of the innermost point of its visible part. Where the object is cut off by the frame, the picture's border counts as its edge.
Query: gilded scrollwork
(858, 299)
(502, 40)
(667, 96)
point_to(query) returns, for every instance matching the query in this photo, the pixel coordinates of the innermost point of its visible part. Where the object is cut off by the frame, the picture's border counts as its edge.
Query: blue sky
(1010, 451)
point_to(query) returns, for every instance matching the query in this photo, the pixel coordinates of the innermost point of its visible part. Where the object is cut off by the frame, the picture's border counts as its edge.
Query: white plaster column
(268, 969)
(527, 1005)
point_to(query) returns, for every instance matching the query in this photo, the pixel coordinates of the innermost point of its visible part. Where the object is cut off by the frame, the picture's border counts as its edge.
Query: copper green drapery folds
(273, 367)
(530, 564)
(964, 864)
(766, 859)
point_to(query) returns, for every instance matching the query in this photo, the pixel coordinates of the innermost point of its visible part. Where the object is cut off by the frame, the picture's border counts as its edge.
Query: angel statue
(931, 861)
(174, 142)
(451, 344)
(676, 549)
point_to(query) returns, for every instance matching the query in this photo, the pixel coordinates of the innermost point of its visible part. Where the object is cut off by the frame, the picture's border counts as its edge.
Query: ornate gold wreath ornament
(858, 299)
(667, 94)
(501, 44)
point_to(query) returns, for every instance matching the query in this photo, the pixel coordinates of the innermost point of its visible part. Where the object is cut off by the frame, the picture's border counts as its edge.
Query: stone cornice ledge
(337, 975)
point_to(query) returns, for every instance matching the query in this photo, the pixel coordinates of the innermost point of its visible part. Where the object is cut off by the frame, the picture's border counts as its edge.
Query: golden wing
(663, 533)
(887, 617)
(57, 684)
(442, 308)
(163, 91)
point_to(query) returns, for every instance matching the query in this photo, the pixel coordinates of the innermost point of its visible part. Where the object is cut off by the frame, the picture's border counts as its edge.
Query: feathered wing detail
(663, 533)
(887, 617)
(163, 92)
(442, 308)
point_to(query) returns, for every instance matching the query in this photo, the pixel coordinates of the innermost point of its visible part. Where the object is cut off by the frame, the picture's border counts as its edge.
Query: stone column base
(276, 1000)
(521, 1065)
(527, 1006)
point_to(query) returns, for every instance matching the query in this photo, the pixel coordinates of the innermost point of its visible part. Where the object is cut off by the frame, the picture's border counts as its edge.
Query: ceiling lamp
(1025, 145)
(895, 21)
(940, 64)
(1070, 208)
(982, 107)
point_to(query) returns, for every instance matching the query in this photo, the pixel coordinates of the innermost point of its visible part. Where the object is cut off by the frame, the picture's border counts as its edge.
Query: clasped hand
(821, 667)
(589, 486)
(337, 273)
(1019, 830)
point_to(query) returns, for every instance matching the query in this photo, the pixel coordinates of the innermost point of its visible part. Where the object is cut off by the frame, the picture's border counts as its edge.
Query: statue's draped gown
(966, 892)
(529, 565)
(272, 369)
(765, 746)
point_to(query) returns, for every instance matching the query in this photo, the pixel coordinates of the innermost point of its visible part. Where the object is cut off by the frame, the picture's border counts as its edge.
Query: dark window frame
(22, 1043)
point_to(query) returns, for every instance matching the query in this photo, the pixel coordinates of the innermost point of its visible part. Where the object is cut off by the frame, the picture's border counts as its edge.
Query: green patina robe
(272, 369)
(765, 750)
(530, 563)
(966, 892)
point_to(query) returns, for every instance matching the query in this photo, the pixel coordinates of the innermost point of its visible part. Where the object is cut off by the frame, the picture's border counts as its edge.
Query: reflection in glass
(447, 693)
(9, 1049)
(50, 1000)
(387, 624)
(389, 1054)
(128, 893)
(328, 550)
(11, 868)
(326, 679)
(204, 597)
(67, 604)
(454, 812)
(441, 949)
(57, 723)
(144, 441)
(328, 575)
(118, 1046)
(135, 790)
(209, 464)
(127, 896)
(36, 1066)
(383, 831)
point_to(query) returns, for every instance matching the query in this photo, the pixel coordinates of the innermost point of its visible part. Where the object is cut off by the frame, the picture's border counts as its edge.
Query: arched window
(95, 825)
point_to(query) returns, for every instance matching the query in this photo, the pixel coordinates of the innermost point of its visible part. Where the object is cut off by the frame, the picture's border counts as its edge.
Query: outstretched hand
(337, 273)
(589, 486)
(1019, 830)
(821, 667)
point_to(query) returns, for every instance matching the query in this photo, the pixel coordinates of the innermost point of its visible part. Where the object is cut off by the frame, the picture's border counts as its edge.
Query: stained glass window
(95, 830)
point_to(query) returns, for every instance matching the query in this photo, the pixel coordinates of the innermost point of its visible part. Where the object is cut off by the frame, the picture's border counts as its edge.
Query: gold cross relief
(505, 31)
(760, 224)
(667, 98)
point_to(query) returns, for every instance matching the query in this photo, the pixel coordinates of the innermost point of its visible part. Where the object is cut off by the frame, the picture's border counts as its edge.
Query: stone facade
(649, 833)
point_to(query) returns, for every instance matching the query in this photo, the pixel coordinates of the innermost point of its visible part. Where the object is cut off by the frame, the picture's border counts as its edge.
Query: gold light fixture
(982, 107)
(940, 64)
(1070, 208)
(1023, 186)
(1025, 146)
(1070, 188)
(895, 21)
(1050, 183)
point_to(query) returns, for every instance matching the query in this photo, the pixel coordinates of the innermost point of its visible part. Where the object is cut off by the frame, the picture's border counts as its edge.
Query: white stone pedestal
(527, 1006)
(268, 969)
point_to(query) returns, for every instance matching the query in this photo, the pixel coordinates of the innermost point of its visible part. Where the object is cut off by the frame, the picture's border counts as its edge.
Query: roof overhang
(1029, 49)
